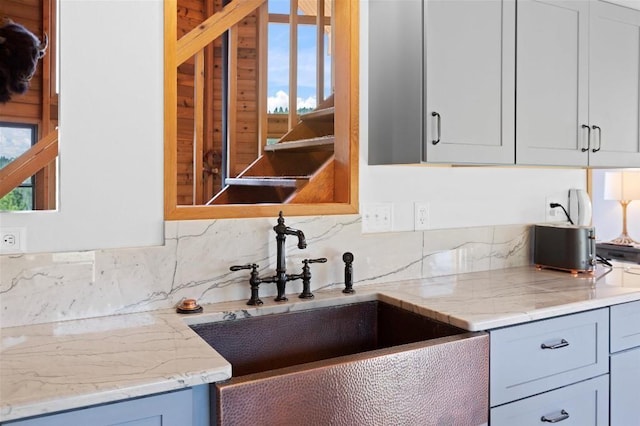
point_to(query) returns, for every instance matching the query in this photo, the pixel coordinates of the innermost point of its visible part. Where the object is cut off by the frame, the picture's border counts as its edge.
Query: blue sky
(278, 57)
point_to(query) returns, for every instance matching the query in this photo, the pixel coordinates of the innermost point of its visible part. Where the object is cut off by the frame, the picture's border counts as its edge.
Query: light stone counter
(58, 366)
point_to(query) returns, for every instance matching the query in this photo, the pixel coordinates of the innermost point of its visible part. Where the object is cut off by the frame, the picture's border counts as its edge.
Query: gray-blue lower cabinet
(625, 388)
(625, 364)
(550, 371)
(185, 407)
(581, 404)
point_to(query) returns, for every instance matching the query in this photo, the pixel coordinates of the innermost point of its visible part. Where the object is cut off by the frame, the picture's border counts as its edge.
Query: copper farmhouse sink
(367, 363)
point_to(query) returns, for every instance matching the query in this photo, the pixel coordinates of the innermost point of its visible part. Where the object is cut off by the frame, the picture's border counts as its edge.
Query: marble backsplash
(195, 260)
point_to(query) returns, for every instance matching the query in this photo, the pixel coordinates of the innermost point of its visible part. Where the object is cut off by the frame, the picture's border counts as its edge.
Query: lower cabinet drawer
(625, 326)
(532, 358)
(581, 404)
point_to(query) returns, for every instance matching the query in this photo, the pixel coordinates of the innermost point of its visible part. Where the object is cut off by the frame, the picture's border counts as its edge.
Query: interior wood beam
(263, 49)
(170, 108)
(232, 111)
(293, 64)
(213, 27)
(320, 53)
(198, 131)
(29, 163)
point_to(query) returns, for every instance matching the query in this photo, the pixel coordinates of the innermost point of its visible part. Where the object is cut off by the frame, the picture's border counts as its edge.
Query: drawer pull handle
(563, 416)
(562, 344)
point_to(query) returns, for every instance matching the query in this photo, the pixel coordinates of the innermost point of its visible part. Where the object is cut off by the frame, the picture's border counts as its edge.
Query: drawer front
(625, 397)
(625, 326)
(535, 357)
(581, 404)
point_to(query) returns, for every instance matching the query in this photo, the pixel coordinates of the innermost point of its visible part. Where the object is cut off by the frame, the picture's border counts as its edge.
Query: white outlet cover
(12, 240)
(421, 216)
(555, 214)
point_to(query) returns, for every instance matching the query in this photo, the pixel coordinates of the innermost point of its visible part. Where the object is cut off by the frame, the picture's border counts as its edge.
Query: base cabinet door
(625, 395)
(581, 404)
(186, 407)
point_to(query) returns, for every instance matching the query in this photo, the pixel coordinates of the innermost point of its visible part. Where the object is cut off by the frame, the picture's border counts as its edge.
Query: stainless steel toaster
(565, 247)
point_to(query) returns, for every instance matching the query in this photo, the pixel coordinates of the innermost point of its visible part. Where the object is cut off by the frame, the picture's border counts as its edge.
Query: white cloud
(310, 102)
(281, 99)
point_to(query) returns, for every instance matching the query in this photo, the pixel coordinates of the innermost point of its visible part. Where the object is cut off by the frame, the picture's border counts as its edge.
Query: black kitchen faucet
(281, 277)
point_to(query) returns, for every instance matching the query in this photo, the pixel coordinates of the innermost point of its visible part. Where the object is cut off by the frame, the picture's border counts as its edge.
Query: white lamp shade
(622, 186)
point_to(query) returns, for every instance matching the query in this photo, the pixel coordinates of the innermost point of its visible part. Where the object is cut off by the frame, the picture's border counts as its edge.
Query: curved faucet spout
(302, 241)
(282, 229)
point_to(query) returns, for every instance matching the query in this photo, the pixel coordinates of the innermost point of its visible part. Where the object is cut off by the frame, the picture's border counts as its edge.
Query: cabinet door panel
(395, 81)
(552, 89)
(469, 54)
(625, 398)
(614, 85)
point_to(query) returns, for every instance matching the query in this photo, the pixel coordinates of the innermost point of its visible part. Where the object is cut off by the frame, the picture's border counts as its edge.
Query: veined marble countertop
(58, 366)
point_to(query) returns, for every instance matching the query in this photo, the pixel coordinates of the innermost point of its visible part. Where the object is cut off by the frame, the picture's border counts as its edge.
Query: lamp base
(624, 240)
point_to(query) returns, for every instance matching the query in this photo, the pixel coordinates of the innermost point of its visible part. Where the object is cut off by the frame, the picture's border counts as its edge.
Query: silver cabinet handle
(594, 127)
(435, 114)
(562, 344)
(584, 126)
(563, 416)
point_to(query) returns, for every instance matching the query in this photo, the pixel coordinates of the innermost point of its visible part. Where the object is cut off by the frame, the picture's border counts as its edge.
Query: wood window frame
(346, 15)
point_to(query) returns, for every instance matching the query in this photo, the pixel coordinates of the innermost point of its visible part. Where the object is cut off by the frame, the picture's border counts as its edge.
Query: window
(15, 139)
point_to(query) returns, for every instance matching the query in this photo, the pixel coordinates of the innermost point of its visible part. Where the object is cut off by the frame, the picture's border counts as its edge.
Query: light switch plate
(377, 217)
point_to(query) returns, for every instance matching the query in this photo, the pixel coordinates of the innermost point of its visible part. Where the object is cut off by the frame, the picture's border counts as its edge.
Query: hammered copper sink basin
(366, 363)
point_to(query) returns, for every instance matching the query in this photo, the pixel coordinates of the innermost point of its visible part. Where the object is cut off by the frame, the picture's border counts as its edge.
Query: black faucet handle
(318, 260)
(241, 267)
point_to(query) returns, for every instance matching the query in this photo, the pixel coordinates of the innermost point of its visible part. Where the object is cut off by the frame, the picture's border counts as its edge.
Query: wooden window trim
(346, 128)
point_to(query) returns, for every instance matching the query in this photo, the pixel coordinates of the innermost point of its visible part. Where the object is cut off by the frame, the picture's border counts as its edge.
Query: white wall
(111, 130)
(460, 196)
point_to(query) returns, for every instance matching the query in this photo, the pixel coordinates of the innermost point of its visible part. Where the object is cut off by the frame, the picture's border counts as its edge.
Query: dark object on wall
(20, 51)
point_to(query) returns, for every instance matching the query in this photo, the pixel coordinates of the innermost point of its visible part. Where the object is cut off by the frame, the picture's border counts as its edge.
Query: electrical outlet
(555, 214)
(420, 216)
(12, 240)
(376, 217)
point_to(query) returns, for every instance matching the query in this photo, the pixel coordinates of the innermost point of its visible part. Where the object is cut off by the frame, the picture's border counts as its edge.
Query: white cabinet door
(469, 56)
(552, 82)
(614, 85)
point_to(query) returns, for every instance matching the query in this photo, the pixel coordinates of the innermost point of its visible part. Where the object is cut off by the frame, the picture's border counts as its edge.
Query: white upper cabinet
(448, 84)
(441, 70)
(614, 86)
(469, 81)
(577, 94)
(552, 85)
